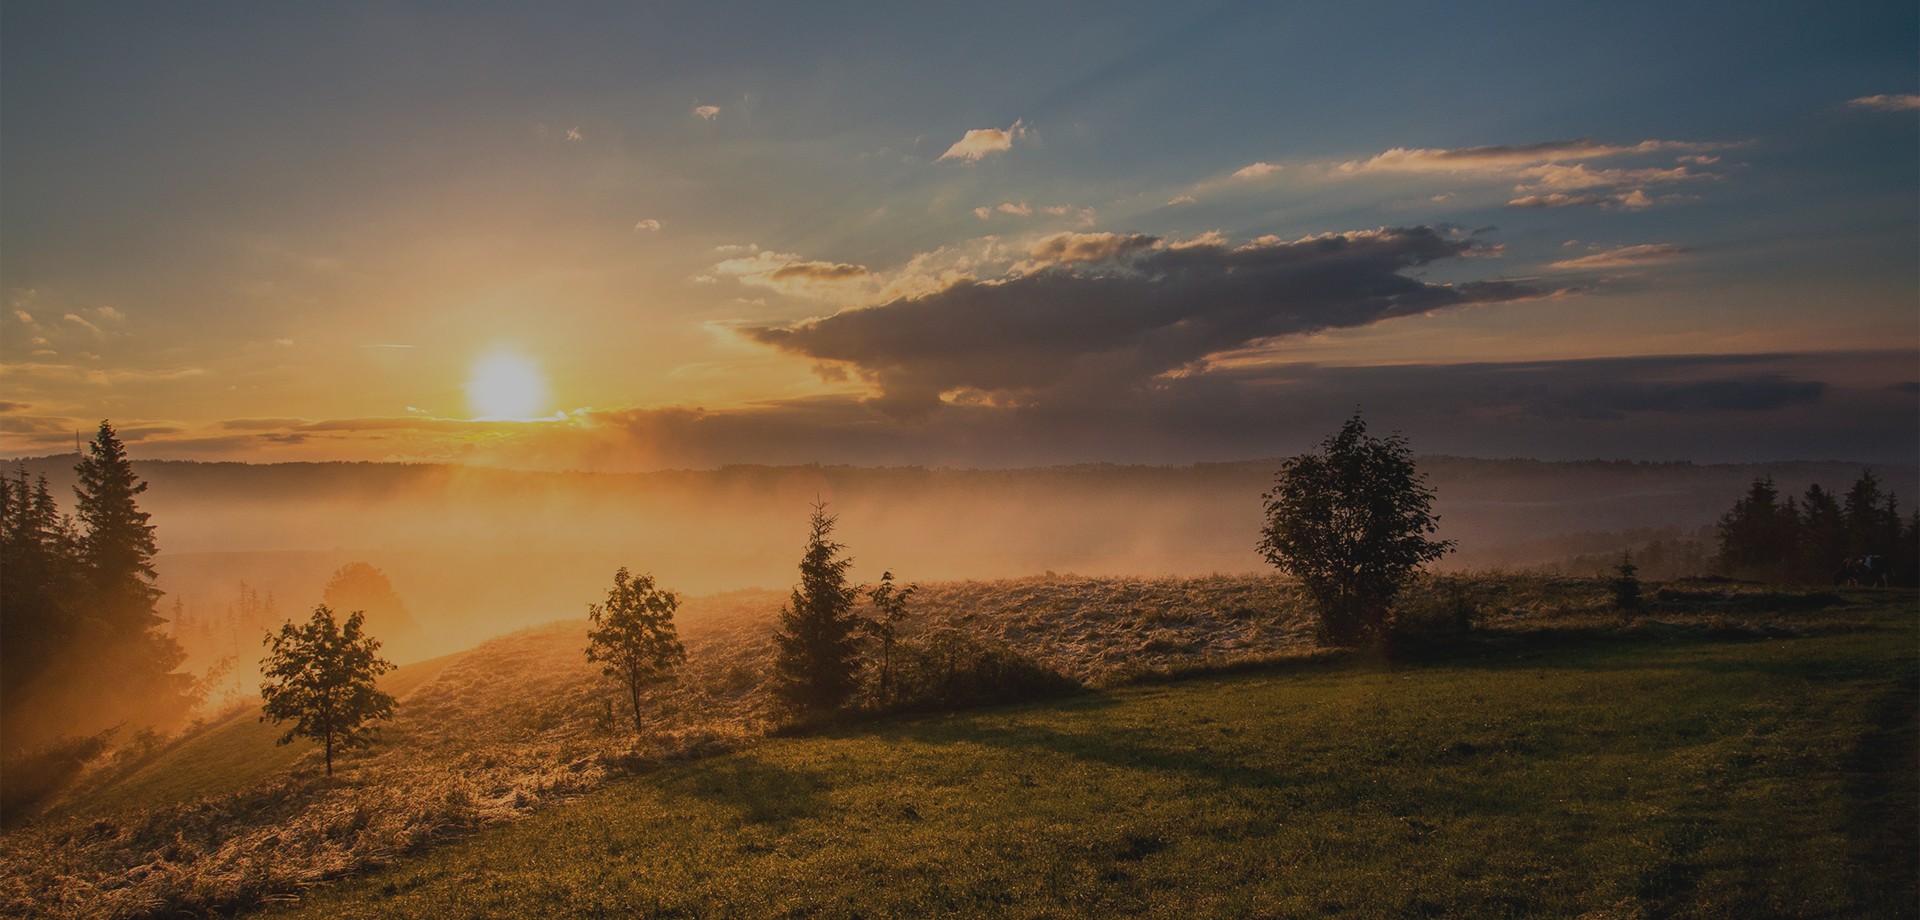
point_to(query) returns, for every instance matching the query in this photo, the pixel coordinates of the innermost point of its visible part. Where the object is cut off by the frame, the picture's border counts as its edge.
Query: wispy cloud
(1887, 102)
(573, 134)
(1631, 200)
(1501, 157)
(706, 112)
(979, 142)
(1256, 170)
(1627, 256)
(647, 223)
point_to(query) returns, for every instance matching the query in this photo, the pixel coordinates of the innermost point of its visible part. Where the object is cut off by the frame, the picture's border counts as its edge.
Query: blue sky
(974, 235)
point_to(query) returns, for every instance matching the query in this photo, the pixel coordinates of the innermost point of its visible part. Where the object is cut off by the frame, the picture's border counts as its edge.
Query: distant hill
(476, 551)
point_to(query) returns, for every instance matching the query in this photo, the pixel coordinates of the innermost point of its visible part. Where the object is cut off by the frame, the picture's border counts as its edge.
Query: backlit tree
(1352, 523)
(320, 676)
(633, 635)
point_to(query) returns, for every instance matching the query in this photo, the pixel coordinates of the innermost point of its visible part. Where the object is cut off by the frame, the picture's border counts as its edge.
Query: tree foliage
(633, 635)
(1352, 523)
(889, 611)
(1819, 538)
(81, 645)
(117, 541)
(360, 586)
(817, 660)
(320, 676)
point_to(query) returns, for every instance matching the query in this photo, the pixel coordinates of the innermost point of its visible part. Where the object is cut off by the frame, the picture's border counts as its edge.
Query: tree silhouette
(633, 635)
(1351, 523)
(117, 541)
(321, 677)
(1757, 535)
(360, 586)
(889, 609)
(817, 649)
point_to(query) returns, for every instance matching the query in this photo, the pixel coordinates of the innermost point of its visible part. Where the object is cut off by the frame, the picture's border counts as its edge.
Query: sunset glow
(812, 243)
(507, 387)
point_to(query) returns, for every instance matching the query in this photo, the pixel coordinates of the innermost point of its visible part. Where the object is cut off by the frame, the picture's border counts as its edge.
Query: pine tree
(1873, 518)
(1757, 534)
(117, 541)
(817, 661)
(1822, 546)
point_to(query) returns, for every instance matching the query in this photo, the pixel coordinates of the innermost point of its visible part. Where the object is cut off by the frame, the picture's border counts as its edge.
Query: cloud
(1180, 200)
(1500, 157)
(818, 271)
(1579, 176)
(979, 142)
(647, 223)
(1016, 208)
(1627, 256)
(1896, 102)
(24, 317)
(706, 112)
(573, 134)
(82, 323)
(1256, 171)
(1631, 200)
(1096, 313)
(790, 274)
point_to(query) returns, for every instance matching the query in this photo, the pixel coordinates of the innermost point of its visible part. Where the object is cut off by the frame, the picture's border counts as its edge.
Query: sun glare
(507, 387)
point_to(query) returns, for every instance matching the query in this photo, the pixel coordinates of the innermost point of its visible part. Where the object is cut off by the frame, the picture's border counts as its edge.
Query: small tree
(817, 660)
(321, 677)
(889, 609)
(633, 635)
(1626, 586)
(1352, 524)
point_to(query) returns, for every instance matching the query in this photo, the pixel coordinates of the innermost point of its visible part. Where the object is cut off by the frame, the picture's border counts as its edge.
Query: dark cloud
(818, 271)
(1702, 408)
(1099, 313)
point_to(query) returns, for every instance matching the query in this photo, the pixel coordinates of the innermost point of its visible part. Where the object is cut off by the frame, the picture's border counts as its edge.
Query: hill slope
(1692, 779)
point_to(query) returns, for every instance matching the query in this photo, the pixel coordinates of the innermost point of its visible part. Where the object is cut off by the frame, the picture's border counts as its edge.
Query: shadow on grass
(758, 791)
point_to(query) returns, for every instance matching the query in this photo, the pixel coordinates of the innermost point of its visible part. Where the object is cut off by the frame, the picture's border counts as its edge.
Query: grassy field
(1620, 777)
(234, 752)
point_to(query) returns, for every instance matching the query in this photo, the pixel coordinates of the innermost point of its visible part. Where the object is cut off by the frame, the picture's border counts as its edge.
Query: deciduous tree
(633, 635)
(320, 676)
(1352, 523)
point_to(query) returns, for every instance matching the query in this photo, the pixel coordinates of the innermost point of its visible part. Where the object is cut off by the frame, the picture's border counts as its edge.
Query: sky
(633, 236)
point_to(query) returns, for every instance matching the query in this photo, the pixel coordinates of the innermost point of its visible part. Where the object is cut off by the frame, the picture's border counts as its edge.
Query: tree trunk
(633, 689)
(329, 755)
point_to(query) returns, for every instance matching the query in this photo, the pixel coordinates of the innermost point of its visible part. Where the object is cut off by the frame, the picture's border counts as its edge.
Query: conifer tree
(817, 647)
(117, 541)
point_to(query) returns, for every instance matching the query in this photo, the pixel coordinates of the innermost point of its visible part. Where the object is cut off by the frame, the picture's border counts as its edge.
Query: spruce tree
(817, 647)
(117, 541)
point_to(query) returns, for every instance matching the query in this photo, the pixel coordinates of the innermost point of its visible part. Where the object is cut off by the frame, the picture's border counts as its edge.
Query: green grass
(1688, 778)
(229, 754)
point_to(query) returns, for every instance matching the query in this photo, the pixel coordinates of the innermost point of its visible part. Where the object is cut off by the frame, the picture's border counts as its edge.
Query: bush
(949, 670)
(27, 781)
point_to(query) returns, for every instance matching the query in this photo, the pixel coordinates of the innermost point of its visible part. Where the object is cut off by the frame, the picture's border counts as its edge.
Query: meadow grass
(1611, 777)
(230, 753)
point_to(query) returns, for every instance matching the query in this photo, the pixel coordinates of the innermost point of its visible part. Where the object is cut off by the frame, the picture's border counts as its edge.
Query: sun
(507, 387)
